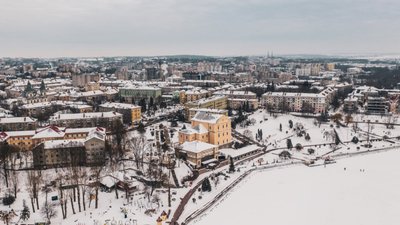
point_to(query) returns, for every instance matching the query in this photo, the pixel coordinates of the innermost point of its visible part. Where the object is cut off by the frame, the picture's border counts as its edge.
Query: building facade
(210, 128)
(130, 113)
(94, 119)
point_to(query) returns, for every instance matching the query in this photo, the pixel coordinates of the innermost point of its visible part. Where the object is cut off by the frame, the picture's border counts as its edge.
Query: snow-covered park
(361, 190)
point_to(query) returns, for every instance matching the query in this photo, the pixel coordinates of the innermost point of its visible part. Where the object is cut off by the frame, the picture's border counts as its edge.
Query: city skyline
(91, 28)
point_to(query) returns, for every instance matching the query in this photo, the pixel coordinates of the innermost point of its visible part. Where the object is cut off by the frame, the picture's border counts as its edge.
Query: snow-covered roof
(199, 129)
(117, 105)
(196, 146)
(217, 111)
(206, 117)
(17, 120)
(49, 132)
(64, 143)
(196, 91)
(71, 116)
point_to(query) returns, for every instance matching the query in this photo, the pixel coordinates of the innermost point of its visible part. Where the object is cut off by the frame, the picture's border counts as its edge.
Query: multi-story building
(136, 93)
(214, 102)
(330, 66)
(193, 95)
(201, 83)
(196, 76)
(211, 128)
(237, 94)
(81, 80)
(17, 123)
(236, 99)
(377, 105)
(94, 119)
(350, 104)
(130, 113)
(26, 140)
(299, 102)
(295, 102)
(237, 103)
(152, 73)
(194, 111)
(86, 151)
(199, 153)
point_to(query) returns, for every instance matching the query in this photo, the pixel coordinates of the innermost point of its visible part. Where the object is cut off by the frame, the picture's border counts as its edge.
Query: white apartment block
(294, 101)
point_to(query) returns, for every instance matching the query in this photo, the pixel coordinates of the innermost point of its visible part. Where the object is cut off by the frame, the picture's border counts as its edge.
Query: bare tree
(48, 211)
(5, 154)
(96, 172)
(139, 146)
(34, 181)
(14, 182)
(7, 216)
(84, 185)
(63, 199)
(247, 133)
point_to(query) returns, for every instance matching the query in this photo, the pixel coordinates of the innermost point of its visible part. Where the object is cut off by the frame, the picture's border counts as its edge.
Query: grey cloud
(224, 27)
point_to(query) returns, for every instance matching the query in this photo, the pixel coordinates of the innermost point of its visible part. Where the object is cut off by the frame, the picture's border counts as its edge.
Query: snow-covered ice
(361, 190)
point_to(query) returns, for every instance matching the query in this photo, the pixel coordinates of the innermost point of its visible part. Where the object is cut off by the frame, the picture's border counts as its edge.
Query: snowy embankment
(356, 190)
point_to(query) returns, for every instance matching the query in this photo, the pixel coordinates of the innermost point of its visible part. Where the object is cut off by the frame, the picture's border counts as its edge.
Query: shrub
(8, 200)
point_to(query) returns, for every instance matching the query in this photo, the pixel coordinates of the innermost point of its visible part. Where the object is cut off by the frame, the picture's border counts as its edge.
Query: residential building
(193, 95)
(215, 102)
(377, 105)
(237, 103)
(350, 104)
(194, 111)
(211, 128)
(133, 94)
(76, 152)
(130, 113)
(81, 80)
(26, 140)
(199, 153)
(295, 102)
(201, 83)
(17, 123)
(94, 119)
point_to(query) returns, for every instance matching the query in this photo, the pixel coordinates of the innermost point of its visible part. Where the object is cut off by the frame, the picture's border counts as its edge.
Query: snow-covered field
(361, 190)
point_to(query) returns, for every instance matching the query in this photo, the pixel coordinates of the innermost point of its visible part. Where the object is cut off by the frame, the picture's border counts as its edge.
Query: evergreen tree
(233, 124)
(337, 139)
(289, 143)
(272, 87)
(151, 103)
(232, 166)
(355, 140)
(290, 124)
(174, 123)
(206, 185)
(42, 87)
(230, 111)
(141, 127)
(143, 104)
(28, 88)
(25, 213)
(307, 137)
(280, 127)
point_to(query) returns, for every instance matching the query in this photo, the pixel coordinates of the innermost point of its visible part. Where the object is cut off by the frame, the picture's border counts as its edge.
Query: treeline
(382, 77)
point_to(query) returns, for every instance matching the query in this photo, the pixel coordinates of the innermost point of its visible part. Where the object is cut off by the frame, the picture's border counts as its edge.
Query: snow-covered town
(172, 112)
(170, 143)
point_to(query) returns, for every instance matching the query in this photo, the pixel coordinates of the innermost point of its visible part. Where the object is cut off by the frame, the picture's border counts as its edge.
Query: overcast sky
(52, 28)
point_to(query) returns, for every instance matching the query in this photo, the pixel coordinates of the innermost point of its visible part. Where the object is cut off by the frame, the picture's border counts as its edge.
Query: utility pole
(368, 143)
(169, 180)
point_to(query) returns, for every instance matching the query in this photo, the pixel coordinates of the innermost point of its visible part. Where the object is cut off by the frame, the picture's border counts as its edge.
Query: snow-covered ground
(361, 190)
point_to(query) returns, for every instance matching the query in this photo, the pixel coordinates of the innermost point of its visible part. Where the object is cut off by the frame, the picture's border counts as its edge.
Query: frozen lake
(365, 193)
